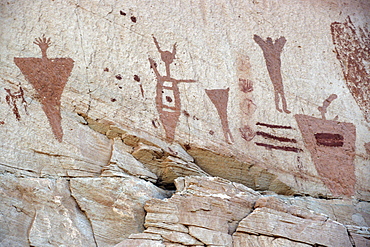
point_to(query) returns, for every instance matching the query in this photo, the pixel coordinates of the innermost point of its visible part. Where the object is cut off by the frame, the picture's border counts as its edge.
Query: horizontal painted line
(283, 148)
(279, 138)
(274, 126)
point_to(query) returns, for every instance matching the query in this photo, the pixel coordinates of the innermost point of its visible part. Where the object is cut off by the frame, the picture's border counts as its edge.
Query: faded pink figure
(271, 52)
(168, 95)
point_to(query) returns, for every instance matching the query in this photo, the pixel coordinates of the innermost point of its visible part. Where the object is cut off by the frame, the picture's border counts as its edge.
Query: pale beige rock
(146, 236)
(174, 167)
(136, 139)
(150, 156)
(102, 88)
(165, 166)
(359, 235)
(206, 208)
(212, 186)
(231, 168)
(140, 243)
(211, 203)
(112, 94)
(210, 237)
(347, 212)
(171, 227)
(167, 244)
(83, 152)
(279, 205)
(173, 236)
(114, 205)
(41, 212)
(269, 222)
(123, 162)
(246, 240)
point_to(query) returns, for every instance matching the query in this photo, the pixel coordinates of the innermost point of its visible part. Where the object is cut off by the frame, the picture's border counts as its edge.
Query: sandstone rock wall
(104, 104)
(216, 212)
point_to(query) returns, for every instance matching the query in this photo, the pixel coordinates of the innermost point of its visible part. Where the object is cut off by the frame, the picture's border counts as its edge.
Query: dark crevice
(233, 229)
(351, 238)
(165, 186)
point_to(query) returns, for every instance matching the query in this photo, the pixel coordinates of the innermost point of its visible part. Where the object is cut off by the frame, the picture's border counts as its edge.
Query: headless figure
(271, 52)
(168, 94)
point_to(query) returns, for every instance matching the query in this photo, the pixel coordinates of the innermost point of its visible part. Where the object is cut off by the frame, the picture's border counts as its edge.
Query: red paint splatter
(12, 98)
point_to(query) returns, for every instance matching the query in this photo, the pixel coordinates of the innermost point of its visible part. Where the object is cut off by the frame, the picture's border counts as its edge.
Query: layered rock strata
(216, 212)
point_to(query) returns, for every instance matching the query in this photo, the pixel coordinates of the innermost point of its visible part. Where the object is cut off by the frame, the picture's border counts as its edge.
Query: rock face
(270, 222)
(203, 211)
(41, 212)
(114, 206)
(187, 123)
(216, 212)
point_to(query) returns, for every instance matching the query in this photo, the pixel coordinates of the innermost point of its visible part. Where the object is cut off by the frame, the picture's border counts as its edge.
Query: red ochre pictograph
(332, 147)
(167, 99)
(48, 76)
(219, 98)
(272, 51)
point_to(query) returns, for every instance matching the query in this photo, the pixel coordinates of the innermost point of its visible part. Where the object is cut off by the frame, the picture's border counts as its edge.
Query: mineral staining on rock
(353, 52)
(48, 76)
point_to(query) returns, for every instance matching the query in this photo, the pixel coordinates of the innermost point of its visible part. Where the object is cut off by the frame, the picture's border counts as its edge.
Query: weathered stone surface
(140, 243)
(347, 212)
(146, 236)
(41, 212)
(217, 212)
(167, 226)
(165, 166)
(122, 162)
(203, 211)
(360, 236)
(174, 236)
(273, 223)
(83, 152)
(279, 205)
(114, 206)
(210, 237)
(253, 176)
(246, 240)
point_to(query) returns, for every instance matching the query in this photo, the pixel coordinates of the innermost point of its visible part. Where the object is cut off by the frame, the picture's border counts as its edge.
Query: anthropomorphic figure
(168, 95)
(48, 77)
(271, 52)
